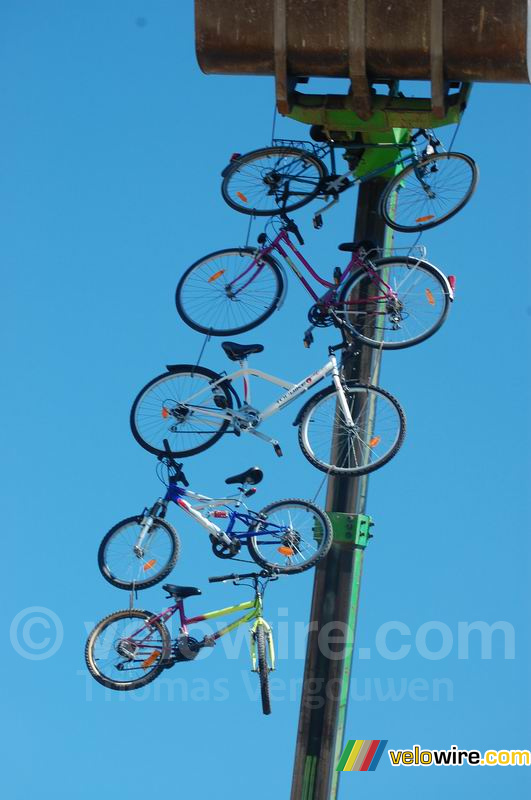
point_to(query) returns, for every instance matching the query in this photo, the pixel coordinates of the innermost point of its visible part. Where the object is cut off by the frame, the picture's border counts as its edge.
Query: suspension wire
(455, 134)
(206, 340)
(415, 243)
(251, 220)
(319, 488)
(274, 124)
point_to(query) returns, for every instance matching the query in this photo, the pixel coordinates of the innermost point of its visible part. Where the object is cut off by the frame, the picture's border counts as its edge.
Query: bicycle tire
(263, 668)
(397, 188)
(293, 538)
(93, 653)
(230, 188)
(433, 293)
(133, 564)
(155, 410)
(206, 295)
(346, 454)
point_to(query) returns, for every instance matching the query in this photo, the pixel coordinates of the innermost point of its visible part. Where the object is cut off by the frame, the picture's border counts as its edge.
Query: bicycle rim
(426, 194)
(181, 407)
(410, 304)
(263, 182)
(377, 432)
(124, 652)
(127, 568)
(294, 536)
(224, 293)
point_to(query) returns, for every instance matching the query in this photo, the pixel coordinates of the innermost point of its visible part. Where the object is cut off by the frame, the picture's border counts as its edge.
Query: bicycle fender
(443, 277)
(215, 376)
(318, 395)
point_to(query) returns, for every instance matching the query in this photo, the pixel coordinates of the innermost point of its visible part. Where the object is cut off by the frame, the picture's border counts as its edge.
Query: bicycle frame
(294, 390)
(247, 517)
(336, 184)
(282, 238)
(253, 608)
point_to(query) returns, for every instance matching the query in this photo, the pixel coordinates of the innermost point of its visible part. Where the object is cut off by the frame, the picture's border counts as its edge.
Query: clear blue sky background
(112, 142)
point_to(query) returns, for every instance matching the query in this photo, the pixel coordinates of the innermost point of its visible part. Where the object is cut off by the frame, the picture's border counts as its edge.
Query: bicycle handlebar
(234, 577)
(291, 226)
(178, 475)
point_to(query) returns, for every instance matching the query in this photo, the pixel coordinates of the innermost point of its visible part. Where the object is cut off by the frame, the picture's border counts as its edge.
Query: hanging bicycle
(130, 648)
(192, 407)
(429, 189)
(287, 536)
(392, 302)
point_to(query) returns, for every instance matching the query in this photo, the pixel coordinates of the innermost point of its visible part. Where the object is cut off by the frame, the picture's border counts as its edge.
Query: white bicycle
(347, 428)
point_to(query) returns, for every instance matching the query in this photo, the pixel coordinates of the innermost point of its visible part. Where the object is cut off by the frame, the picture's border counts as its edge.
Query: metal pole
(336, 586)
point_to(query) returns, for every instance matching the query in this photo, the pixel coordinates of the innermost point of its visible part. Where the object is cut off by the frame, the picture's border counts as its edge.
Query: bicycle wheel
(126, 564)
(294, 536)
(182, 407)
(333, 446)
(259, 182)
(429, 192)
(225, 293)
(263, 667)
(127, 649)
(411, 310)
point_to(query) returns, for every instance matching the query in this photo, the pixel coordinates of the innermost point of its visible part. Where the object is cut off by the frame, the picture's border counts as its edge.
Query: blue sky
(112, 145)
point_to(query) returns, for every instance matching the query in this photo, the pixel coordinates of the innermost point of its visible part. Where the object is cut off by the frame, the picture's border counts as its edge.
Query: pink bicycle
(391, 302)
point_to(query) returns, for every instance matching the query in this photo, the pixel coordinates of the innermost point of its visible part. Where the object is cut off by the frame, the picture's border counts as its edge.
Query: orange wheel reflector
(426, 218)
(216, 275)
(165, 413)
(242, 197)
(151, 659)
(374, 441)
(286, 551)
(149, 564)
(431, 299)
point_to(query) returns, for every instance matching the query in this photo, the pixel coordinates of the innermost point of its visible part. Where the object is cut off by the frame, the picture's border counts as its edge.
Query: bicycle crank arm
(318, 216)
(276, 444)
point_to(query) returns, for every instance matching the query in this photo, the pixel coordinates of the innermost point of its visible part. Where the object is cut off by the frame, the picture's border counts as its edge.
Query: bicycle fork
(157, 511)
(271, 646)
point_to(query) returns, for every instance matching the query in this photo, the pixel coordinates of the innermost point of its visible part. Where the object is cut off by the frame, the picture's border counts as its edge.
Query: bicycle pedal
(278, 450)
(308, 339)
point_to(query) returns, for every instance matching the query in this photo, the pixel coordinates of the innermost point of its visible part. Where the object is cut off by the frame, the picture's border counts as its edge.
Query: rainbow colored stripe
(361, 755)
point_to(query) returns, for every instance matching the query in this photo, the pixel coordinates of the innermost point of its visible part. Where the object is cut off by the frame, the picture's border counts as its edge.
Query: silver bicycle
(193, 407)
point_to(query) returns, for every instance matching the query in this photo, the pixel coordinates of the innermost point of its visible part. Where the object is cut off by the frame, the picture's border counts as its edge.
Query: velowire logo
(361, 755)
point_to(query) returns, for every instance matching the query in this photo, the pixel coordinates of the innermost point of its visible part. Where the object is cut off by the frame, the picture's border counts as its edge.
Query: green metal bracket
(335, 114)
(351, 528)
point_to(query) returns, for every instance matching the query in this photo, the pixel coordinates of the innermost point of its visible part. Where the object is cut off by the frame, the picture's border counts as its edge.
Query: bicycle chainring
(319, 317)
(185, 648)
(225, 551)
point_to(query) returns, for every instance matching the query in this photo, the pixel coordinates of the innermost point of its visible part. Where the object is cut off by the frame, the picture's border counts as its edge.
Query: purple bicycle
(391, 302)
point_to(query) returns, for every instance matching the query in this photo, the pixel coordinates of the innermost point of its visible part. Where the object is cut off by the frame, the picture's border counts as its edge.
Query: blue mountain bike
(288, 536)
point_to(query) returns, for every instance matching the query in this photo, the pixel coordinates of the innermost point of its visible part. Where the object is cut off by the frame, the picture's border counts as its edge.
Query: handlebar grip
(234, 577)
(222, 578)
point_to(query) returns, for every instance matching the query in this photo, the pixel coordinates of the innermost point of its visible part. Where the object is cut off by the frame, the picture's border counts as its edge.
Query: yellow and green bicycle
(129, 649)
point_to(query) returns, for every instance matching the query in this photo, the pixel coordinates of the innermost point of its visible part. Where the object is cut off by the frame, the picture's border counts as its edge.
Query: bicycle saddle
(253, 476)
(352, 247)
(236, 352)
(180, 592)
